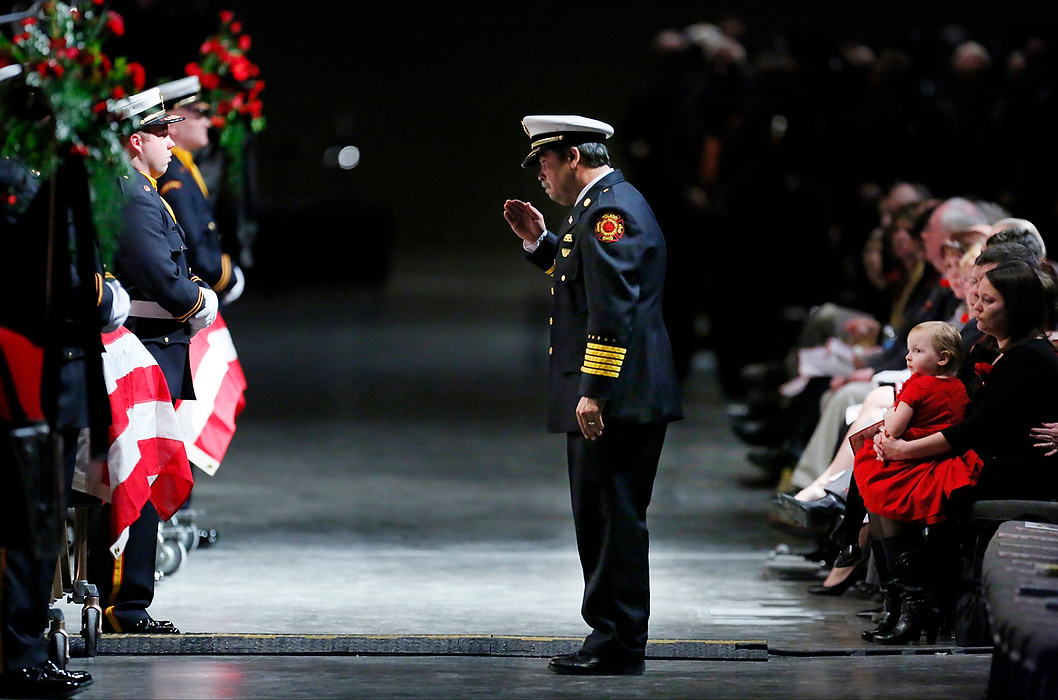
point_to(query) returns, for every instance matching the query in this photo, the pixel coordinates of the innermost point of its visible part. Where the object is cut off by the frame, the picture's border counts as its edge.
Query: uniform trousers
(126, 585)
(611, 483)
(25, 594)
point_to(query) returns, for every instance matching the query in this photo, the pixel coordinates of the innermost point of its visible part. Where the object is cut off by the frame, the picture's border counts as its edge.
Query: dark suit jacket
(608, 339)
(151, 263)
(181, 190)
(1018, 394)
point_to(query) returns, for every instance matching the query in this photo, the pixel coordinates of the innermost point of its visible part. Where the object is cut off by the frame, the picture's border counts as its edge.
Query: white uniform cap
(561, 130)
(178, 91)
(142, 109)
(10, 71)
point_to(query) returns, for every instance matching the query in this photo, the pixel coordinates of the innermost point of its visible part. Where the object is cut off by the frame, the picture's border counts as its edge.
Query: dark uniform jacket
(608, 339)
(151, 262)
(184, 189)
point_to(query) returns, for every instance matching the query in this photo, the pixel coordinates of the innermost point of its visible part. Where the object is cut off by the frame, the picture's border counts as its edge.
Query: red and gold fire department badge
(609, 228)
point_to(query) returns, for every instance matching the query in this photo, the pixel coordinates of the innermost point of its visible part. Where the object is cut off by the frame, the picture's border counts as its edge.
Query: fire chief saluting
(612, 384)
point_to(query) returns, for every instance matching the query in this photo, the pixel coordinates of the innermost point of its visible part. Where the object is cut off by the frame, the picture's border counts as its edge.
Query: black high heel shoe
(849, 556)
(858, 573)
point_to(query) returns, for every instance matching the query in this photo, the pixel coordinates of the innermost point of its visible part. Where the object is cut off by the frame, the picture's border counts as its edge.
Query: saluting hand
(525, 219)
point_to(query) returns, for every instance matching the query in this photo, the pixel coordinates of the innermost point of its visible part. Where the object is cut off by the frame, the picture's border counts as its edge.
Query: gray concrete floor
(391, 475)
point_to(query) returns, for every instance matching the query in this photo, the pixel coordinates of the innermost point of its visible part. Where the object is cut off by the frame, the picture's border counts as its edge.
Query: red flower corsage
(981, 369)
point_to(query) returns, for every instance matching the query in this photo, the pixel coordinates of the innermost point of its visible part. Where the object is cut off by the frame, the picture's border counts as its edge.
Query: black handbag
(32, 510)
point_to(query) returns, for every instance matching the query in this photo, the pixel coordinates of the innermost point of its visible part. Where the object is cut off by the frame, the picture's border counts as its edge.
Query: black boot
(912, 572)
(892, 593)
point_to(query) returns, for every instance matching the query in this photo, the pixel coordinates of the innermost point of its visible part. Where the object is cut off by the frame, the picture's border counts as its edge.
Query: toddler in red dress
(904, 496)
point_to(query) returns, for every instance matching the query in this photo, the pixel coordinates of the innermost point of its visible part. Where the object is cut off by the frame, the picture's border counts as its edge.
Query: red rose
(118, 92)
(72, 53)
(29, 21)
(11, 199)
(209, 81)
(193, 69)
(138, 75)
(226, 16)
(217, 121)
(240, 69)
(981, 369)
(79, 149)
(98, 2)
(115, 23)
(101, 107)
(244, 42)
(236, 27)
(255, 109)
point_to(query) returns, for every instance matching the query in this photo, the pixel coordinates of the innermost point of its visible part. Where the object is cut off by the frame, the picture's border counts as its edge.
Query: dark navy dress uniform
(608, 341)
(183, 187)
(151, 262)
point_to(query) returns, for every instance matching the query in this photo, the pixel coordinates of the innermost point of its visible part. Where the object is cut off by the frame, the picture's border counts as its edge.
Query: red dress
(912, 490)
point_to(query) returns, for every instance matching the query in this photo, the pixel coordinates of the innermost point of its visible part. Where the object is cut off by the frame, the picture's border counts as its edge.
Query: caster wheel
(189, 537)
(170, 555)
(59, 647)
(91, 626)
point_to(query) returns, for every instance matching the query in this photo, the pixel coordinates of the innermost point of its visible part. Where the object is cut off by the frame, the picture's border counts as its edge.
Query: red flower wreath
(981, 369)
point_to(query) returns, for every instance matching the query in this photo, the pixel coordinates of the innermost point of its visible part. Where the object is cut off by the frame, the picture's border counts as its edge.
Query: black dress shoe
(35, 683)
(858, 573)
(146, 625)
(585, 664)
(81, 678)
(822, 513)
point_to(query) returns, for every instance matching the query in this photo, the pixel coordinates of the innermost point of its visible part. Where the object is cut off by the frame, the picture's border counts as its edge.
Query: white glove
(119, 308)
(236, 290)
(205, 317)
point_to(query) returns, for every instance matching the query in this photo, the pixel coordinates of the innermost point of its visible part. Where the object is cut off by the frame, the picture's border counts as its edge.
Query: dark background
(433, 93)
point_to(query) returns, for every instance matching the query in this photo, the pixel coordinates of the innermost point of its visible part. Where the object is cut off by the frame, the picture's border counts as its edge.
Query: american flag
(208, 423)
(147, 459)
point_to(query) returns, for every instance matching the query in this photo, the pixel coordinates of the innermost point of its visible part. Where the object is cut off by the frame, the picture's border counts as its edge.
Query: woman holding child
(1018, 391)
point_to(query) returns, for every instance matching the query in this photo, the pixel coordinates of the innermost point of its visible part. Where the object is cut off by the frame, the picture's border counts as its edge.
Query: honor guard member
(51, 381)
(612, 385)
(185, 190)
(169, 305)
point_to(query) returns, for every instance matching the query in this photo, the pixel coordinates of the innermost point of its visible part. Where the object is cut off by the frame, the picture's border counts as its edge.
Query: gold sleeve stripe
(610, 355)
(602, 366)
(196, 278)
(551, 270)
(109, 275)
(194, 309)
(607, 348)
(603, 361)
(171, 185)
(99, 288)
(599, 372)
(225, 272)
